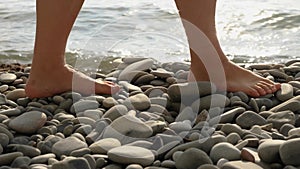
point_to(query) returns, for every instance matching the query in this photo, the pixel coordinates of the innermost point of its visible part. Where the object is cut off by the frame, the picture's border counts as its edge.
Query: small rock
(16, 94)
(290, 151)
(42, 159)
(66, 146)
(8, 158)
(192, 158)
(131, 155)
(230, 115)
(21, 162)
(4, 140)
(210, 101)
(187, 114)
(240, 164)
(72, 163)
(292, 104)
(104, 145)
(28, 122)
(268, 151)
(109, 102)
(115, 112)
(280, 118)
(162, 73)
(142, 65)
(134, 166)
(129, 87)
(83, 105)
(7, 77)
(224, 150)
(139, 101)
(25, 149)
(249, 119)
(286, 92)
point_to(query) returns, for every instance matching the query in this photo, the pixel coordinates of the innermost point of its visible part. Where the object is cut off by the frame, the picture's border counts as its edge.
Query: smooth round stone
(115, 112)
(1, 149)
(4, 140)
(16, 94)
(131, 155)
(286, 92)
(141, 143)
(182, 126)
(80, 152)
(208, 166)
(11, 112)
(159, 100)
(66, 146)
(104, 145)
(284, 129)
(28, 122)
(295, 83)
(109, 102)
(186, 114)
(230, 128)
(268, 151)
(162, 73)
(144, 79)
(128, 126)
(41, 159)
(134, 166)
(7, 78)
(3, 99)
(83, 105)
(229, 116)
(129, 87)
(224, 150)
(233, 138)
(21, 162)
(192, 158)
(139, 101)
(3, 88)
(168, 164)
(142, 65)
(249, 119)
(211, 101)
(190, 91)
(240, 165)
(92, 114)
(26, 150)
(292, 104)
(294, 132)
(8, 158)
(290, 151)
(72, 163)
(280, 118)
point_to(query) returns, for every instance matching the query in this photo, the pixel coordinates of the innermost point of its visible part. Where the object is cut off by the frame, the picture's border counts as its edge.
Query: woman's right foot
(55, 81)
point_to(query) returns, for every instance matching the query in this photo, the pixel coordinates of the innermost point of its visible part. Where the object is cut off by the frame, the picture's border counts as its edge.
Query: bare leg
(49, 73)
(201, 14)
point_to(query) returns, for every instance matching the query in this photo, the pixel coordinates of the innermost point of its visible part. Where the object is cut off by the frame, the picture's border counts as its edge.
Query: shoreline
(157, 120)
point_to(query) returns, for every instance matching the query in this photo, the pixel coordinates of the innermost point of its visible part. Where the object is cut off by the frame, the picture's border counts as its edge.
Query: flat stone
(115, 112)
(83, 105)
(104, 145)
(139, 101)
(8, 158)
(280, 118)
(240, 164)
(66, 146)
(127, 126)
(137, 66)
(295, 83)
(268, 151)
(284, 129)
(42, 159)
(3, 88)
(192, 158)
(144, 79)
(28, 122)
(224, 150)
(21, 162)
(26, 150)
(72, 163)
(109, 102)
(249, 119)
(189, 92)
(131, 155)
(290, 151)
(129, 87)
(294, 132)
(162, 73)
(187, 114)
(230, 128)
(229, 116)
(11, 112)
(292, 104)
(211, 101)
(7, 77)
(286, 92)
(16, 94)
(3, 99)
(92, 114)
(4, 139)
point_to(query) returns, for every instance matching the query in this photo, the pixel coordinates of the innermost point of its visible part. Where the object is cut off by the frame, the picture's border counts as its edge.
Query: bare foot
(44, 83)
(238, 79)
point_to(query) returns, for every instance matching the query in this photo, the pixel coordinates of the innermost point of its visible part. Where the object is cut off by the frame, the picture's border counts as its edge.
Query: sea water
(250, 31)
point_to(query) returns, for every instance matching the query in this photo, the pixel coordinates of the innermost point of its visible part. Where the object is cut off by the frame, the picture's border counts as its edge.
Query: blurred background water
(250, 31)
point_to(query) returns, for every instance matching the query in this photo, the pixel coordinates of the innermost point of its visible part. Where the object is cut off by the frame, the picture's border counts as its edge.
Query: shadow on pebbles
(157, 120)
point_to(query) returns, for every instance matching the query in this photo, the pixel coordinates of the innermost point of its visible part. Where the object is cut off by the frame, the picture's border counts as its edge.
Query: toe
(252, 92)
(267, 87)
(260, 90)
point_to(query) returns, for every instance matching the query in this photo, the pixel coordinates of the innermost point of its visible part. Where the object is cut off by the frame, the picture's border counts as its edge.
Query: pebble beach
(158, 120)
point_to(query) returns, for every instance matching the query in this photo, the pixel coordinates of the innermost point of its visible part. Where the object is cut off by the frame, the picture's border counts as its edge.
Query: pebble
(21, 162)
(72, 163)
(186, 114)
(11, 112)
(189, 92)
(268, 151)
(249, 119)
(109, 102)
(115, 112)
(28, 122)
(142, 65)
(139, 102)
(104, 145)
(162, 73)
(42, 159)
(131, 155)
(3, 99)
(83, 105)
(224, 150)
(16, 94)
(66, 146)
(25, 149)
(280, 118)
(292, 104)
(286, 92)
(7, 78)
(192, 158)
(290, 151)
(127, 126)
(3, 88)
(240, 165)
(229, 116)
(8, 158)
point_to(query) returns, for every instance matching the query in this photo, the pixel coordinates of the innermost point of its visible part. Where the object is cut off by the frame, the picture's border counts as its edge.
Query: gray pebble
(289, 150)
(268, 151)
(286, 92)
(192, 158)
(250, 118)
(280, 118)
(224, 150)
